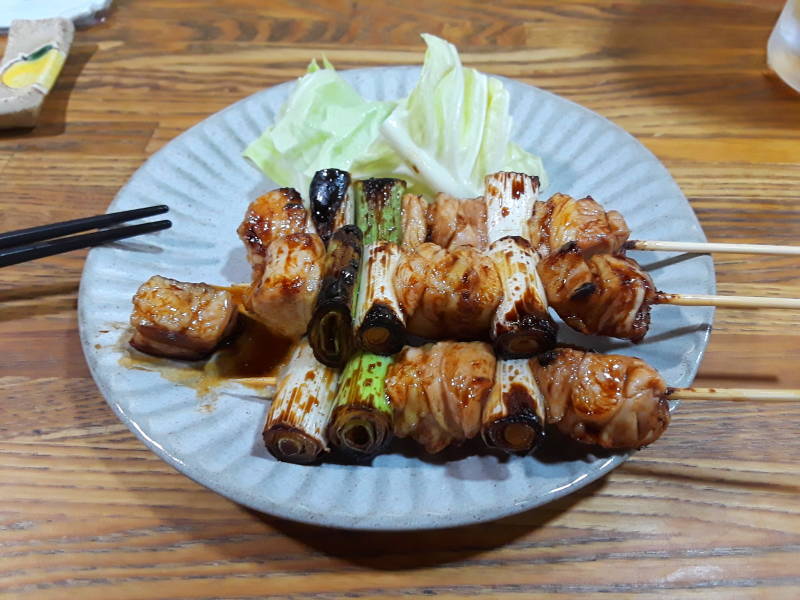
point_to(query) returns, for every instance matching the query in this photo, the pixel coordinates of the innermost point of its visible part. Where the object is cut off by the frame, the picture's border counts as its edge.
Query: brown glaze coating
(600, 295)
(447, 294)
(563, 219)
(269, 217)
(283, 297)
(180, 320)
(610, 400)
(438, 392)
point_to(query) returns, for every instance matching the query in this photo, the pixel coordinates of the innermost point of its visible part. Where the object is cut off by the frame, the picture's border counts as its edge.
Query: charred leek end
(378, 209)
(301, 408)
(361, 425)
(331, 201)
(509, 203)
(331, 328)
(522, 325)
(379, 318)
(515, 413)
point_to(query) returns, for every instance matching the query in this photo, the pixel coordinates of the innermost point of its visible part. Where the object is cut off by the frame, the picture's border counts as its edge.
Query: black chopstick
(46, 232)
(13, 256)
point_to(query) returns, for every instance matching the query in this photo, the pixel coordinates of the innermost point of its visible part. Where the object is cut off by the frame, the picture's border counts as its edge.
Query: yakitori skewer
(687, 393)
(711, 247)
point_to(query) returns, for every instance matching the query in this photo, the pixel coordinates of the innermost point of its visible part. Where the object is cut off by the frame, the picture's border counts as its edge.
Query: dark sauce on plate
(252, 352)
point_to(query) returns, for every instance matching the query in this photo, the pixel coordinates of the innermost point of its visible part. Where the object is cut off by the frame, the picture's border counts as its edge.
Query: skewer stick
(726, 301)
(256, 381)
(707, 247)
(734, 394)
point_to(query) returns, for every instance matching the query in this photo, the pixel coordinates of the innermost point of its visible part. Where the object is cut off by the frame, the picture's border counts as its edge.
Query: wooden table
(712, 510)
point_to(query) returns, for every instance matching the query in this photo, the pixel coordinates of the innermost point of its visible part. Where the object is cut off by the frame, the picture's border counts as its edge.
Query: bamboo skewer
(734, 394)
(708, 247)
(726, 301)
(256, 381)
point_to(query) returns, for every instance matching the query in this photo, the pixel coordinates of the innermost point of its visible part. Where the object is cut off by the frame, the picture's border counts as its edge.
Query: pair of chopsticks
(37, 242)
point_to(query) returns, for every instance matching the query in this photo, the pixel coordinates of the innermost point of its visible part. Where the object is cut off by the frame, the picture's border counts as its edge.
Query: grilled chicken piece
(181, 320)
(415, 227)
(270, 217)
(562, 220)
(283, 297)
(438, 392)
(600, 295)
(609, 400)
(453, 222)
(447, 293)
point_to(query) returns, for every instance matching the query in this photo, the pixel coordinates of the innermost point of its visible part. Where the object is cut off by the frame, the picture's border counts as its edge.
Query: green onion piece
(379, 320)
(331, 202)
(378, 209)
(331, 328)
(361, 424)
(301, 408)
(515, 412)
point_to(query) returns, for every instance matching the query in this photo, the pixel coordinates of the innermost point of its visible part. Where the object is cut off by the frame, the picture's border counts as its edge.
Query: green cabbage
(452, 130)
(324, 124)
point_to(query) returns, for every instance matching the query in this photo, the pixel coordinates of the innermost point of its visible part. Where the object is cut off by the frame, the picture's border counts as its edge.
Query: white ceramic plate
(207, 184)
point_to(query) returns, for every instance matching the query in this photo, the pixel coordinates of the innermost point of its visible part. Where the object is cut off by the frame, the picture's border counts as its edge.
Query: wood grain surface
(711, 510)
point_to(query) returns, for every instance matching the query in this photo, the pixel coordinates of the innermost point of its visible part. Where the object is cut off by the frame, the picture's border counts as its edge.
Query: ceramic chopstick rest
(34, 55)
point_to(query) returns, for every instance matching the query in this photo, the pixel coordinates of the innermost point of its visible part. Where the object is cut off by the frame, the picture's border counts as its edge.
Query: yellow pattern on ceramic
(39, 69)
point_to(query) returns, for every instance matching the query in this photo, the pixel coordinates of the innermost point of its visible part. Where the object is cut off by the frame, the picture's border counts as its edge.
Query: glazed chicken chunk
(181, 320)
(600, 295)
(270, 217)
(438, 392)
(453, 222)
(609, 400)
(447, 293)
(283, 297)
(562, 220)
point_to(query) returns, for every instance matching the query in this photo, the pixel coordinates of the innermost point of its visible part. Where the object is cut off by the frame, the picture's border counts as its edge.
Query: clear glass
(783, 48)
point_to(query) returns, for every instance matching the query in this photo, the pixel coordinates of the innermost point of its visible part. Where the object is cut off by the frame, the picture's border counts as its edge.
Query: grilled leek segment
(331, 328)
(380, 321)
(361, 425)
(331, 201)
(295, 430)
(522, 325)
(515, 413)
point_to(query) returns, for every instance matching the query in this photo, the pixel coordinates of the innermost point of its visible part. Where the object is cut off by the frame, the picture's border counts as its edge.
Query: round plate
(207, 185)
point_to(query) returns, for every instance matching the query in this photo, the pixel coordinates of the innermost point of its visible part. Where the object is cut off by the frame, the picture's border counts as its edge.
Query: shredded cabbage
(452, 130)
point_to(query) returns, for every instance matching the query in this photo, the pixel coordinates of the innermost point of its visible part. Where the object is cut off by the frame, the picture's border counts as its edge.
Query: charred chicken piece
(609, 400)
(563, 219)
(453, 222)
(600, 295)
(438, 392)
(283, 297)
(181, 320)
(447, 293)
(268, 218)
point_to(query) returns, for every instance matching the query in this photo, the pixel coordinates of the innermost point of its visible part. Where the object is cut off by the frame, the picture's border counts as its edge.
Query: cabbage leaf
(452, 130)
